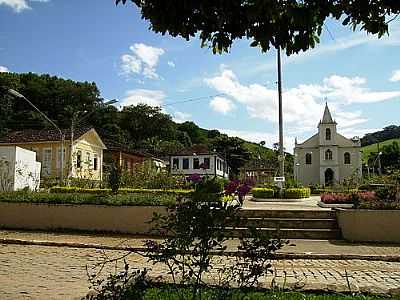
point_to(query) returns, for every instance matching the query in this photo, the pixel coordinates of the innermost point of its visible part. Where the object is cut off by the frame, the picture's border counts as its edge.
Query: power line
(194, 99)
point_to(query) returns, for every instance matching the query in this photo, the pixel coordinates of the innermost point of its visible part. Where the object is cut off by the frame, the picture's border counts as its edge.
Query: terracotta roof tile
(40, 135)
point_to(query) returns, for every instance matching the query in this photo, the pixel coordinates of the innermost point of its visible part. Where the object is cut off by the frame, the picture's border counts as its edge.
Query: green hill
(367, 150)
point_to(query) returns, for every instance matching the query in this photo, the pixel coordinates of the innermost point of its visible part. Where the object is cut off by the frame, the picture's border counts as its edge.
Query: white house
(199, 160)
(18, 169)
(327, 157)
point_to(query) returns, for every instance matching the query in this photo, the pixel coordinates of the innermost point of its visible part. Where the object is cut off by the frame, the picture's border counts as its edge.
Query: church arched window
(347, 160)
(328, 134)
(328, 154)
(308, 159)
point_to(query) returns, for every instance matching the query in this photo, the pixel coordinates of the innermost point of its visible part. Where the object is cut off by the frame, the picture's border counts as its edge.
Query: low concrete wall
(334, 205)
(121, 219)
(363, 225)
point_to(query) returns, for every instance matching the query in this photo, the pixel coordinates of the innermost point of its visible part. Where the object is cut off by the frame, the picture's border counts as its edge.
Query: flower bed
(337, 198)
(133, 199)
(97, 191)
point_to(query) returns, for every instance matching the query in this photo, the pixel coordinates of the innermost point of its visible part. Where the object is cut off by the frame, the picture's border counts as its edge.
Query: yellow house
(86, 152)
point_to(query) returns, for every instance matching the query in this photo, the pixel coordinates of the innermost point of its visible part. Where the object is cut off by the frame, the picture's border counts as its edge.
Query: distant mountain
(388, 133)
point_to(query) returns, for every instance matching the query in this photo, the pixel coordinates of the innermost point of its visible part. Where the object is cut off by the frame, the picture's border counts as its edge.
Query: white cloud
(130, 64)
(4, 69)
(150, 97)
(222, 105)
(180, 117)
(20, 5)
(395, 76)
(143, 61)
(302, 105)
(171, 64)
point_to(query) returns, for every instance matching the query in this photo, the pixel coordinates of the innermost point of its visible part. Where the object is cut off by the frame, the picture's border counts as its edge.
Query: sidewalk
(305, 249)
(42, 265)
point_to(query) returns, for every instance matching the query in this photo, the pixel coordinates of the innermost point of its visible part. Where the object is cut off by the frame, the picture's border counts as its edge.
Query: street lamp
(20, 96)
(373, 165)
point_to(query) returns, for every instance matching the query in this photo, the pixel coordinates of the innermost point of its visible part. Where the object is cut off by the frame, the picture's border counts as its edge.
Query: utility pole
(281, 151)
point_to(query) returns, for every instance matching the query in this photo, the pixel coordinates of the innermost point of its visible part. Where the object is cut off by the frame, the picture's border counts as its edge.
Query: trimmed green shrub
(297, 193)
(263, 193)
(81, 198)
(96, 191)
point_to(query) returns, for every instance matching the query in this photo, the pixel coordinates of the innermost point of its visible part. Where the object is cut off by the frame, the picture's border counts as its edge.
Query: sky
(236, 93)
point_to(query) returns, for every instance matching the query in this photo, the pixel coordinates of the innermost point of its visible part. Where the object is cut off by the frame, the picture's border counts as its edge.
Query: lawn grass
(132, 199)
(215, 294)
(374, 148)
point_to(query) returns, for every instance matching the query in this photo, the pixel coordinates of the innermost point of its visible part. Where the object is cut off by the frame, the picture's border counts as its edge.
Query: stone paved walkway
(296, 246)
(44, 272)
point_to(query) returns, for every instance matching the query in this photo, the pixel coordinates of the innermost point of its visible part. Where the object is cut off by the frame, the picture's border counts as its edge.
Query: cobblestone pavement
(297, 246)
(42, 272)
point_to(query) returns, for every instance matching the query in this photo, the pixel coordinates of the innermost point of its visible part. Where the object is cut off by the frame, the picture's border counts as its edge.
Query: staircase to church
(289, 224)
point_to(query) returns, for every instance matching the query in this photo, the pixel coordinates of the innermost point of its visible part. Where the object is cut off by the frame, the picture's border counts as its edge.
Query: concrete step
(288, 223)
(286, 233)
(291, 214)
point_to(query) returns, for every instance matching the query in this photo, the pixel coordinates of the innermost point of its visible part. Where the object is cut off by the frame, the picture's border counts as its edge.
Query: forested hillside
(138, 127)
(388, 133)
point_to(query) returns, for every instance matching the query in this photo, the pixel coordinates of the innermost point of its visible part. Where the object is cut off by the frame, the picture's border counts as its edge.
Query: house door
(329, 175)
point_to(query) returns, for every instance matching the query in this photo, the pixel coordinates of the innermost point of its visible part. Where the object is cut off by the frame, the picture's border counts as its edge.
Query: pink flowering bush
(368, 196)
(336, 198)
(238, 188)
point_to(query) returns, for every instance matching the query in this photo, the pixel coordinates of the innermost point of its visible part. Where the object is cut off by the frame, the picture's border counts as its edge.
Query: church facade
(327, 157)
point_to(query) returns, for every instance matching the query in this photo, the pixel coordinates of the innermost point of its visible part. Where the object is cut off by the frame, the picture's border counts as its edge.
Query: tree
(195, 133)
(57, 98)
(143, 121)
(233, 149)
(292, 25)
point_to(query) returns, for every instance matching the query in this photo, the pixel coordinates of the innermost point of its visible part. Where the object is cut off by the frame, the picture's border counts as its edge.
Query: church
(327, 157)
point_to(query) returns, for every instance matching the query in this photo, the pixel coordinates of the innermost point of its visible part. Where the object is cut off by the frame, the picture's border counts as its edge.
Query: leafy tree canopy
(293, 25)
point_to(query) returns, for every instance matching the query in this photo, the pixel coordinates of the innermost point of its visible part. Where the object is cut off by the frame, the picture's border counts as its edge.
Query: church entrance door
(329, 175)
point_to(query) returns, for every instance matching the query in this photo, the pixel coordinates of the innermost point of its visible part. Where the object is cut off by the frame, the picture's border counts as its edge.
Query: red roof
(40, 135)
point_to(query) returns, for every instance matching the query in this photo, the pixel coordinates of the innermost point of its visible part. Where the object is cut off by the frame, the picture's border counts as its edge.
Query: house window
(223, 166)
(308, 159)
(47, 157)
(125, 164)
(347, 160)
(185, 163)
(328, 154)
(206, 163)
(95, 162)
(196, 163)
(175, 163)
(328, 134)
(79, 159)
(59, 158)
(88, 160)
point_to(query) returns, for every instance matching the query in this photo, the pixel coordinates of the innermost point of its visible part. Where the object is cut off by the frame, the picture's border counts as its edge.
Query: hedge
(82, 198)
(297, 193)
(97, 191)
(263, 193)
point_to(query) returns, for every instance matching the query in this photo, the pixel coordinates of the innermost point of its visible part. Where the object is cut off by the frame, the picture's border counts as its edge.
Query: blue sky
(358, 74)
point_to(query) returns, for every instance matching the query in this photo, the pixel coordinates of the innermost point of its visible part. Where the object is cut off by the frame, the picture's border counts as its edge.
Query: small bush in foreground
(263, 193)
(297, 193)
